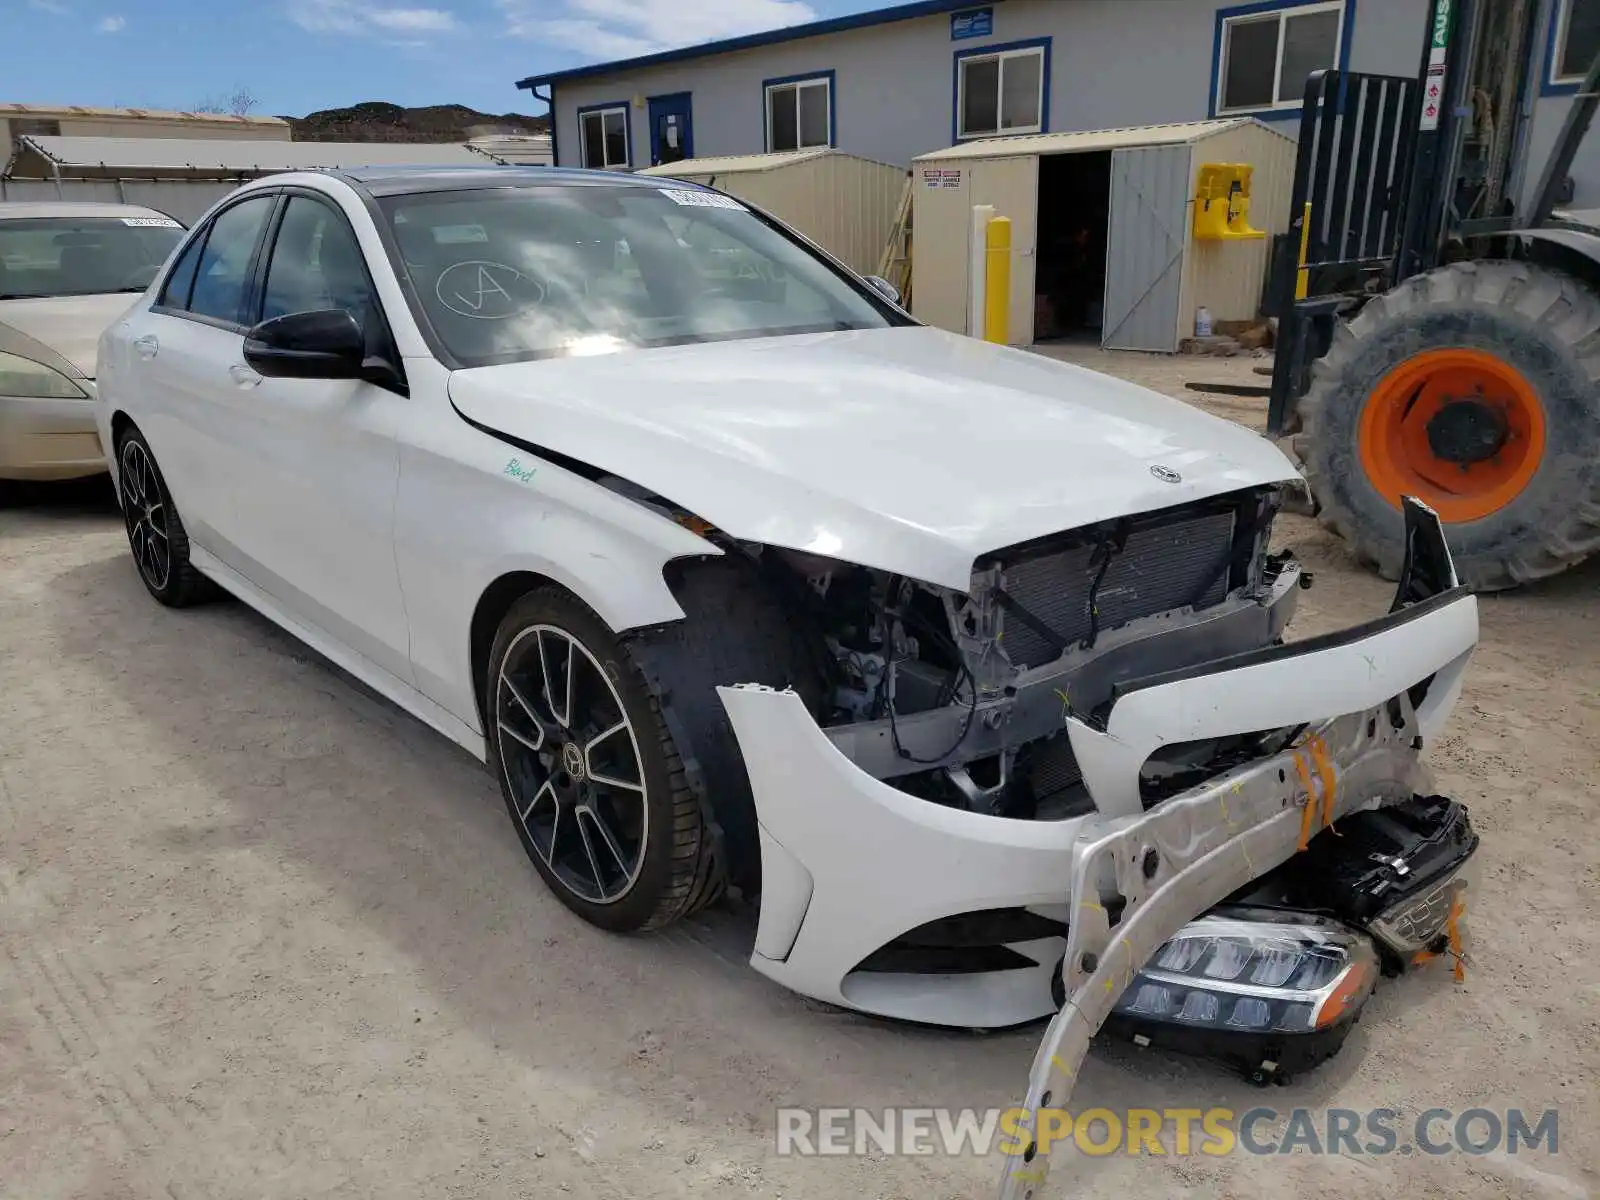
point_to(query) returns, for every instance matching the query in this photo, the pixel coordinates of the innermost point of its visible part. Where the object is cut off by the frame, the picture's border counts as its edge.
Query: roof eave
(751, 41)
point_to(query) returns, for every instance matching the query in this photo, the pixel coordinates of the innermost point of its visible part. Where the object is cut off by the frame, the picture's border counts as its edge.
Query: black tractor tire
(1542, 322)
(679, 872)
(181, 584)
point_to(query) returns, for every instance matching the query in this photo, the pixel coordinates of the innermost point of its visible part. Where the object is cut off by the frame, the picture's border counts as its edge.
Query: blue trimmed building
(896, 82)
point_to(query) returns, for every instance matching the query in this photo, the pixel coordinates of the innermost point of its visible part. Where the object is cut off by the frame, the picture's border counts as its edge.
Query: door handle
(244, 375)
(146, 346)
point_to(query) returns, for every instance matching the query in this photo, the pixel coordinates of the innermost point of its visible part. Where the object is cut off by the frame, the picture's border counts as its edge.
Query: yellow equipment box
(1222, 203)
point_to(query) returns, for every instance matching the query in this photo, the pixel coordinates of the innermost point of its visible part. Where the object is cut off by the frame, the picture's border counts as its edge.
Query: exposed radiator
(1054, 779)
(1160, 568)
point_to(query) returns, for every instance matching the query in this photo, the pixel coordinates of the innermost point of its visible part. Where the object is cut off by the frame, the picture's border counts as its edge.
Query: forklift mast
(1398, 175)
(1478, 73)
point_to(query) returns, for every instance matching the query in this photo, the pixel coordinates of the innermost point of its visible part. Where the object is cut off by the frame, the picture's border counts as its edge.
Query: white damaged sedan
(736, 575)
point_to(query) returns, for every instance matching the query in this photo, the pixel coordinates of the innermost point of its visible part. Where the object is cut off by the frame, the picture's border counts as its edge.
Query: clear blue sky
(296, 56)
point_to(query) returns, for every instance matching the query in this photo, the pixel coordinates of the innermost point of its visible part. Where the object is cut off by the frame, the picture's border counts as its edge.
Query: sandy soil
(264, 936)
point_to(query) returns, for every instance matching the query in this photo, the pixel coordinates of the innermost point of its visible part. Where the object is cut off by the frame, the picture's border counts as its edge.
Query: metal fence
(184, 200)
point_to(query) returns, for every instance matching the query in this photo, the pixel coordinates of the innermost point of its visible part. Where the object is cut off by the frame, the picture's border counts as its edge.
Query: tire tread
(1564, 309)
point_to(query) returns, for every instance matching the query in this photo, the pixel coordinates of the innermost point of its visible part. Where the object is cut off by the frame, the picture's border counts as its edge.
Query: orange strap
(1309, 816)
(1452, 928)
(1330, 781)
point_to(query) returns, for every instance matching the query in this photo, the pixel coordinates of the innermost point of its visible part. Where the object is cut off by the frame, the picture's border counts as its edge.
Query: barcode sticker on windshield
(459, 235)
(701, 199)
(152, 222)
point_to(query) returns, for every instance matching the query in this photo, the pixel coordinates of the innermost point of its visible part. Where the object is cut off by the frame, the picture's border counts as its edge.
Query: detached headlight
(1274, 993)
(22, 377)
(1258, 974)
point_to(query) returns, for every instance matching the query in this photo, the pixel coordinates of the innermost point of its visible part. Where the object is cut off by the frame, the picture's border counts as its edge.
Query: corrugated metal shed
(699, 168)
(44, 157)
(1082, 142)
(845, 204)
(1157, 273)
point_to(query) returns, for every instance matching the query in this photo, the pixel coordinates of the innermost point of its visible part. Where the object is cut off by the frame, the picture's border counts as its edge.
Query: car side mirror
(325, 343)
(889, 291)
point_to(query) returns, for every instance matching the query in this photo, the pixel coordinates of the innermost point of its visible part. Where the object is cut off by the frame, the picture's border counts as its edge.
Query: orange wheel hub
(1462, 430)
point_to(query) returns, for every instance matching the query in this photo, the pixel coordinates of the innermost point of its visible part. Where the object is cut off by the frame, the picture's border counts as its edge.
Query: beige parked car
(66, 272)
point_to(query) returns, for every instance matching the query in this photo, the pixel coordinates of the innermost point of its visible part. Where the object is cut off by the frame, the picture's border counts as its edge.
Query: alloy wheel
(145, 512)
(571, 759)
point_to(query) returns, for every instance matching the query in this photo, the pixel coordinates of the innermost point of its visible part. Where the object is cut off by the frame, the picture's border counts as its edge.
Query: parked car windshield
(529, 272)
(82, 256)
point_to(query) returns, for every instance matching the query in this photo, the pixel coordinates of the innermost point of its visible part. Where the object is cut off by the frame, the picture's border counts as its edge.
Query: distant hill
(377, 121)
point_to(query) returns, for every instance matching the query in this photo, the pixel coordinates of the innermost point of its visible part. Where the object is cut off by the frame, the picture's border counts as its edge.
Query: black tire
(1541, 322)
(678, 871)
(156, 536)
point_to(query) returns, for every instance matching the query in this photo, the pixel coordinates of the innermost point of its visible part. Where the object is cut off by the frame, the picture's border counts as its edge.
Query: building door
(1145, 248)
(671, 128)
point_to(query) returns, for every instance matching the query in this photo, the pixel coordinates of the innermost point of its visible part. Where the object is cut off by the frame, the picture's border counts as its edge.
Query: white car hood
(908, 449)
(69, 325)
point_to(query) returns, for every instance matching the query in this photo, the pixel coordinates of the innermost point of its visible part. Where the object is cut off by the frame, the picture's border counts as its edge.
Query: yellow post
(997, 281)
(1302, 283)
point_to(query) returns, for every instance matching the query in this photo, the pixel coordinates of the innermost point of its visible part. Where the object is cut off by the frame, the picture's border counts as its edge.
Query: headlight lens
(1256, 970)
(23, 377)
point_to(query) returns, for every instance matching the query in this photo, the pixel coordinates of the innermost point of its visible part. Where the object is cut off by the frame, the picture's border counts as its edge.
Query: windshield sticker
(701, 199)
(458, 235)
(487, 291)
(152, 222)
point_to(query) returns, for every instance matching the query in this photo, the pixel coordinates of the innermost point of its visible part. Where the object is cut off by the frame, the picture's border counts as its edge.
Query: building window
(1266, 57)
(799, 112)
(1577, 40)
(1002, 90)
(604, 134)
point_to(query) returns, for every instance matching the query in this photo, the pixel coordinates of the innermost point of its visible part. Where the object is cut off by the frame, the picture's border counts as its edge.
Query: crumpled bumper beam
(1166, 867)
(1190, 853)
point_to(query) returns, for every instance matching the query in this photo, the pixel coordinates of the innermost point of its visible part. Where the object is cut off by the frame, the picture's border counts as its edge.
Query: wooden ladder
(895, 262)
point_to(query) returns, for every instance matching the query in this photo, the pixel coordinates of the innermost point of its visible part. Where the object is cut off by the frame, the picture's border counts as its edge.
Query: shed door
(1145, 247)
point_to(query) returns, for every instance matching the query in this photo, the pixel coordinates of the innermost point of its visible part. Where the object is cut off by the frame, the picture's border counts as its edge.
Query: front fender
(474, 510)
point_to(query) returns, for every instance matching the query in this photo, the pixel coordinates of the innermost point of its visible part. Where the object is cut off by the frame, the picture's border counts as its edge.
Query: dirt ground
(265, 936)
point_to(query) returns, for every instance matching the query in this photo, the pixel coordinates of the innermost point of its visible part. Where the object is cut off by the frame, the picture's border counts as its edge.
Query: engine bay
(960, 699)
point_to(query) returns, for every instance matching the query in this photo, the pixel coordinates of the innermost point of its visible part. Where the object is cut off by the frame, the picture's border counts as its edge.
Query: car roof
(397, 181)
(16, 210)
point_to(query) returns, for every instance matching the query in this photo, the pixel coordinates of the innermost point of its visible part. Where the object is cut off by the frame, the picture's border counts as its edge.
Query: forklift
(1437, 339)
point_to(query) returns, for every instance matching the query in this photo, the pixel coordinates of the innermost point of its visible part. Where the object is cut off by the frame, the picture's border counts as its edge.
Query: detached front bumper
(850, 864)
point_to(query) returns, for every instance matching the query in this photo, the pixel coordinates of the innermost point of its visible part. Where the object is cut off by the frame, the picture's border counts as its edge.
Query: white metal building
(1103, 241)
(83, 120)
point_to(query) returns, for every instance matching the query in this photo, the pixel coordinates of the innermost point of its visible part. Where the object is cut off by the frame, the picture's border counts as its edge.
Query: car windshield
(531, 272)
(82, 256)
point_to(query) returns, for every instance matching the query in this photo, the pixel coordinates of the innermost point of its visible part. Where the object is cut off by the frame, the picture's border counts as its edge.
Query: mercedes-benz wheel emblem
(572, 760)
(1166, 474)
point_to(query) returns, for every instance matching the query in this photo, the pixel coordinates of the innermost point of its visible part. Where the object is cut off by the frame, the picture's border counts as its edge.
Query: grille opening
(1045, 783)
(1179, 766)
